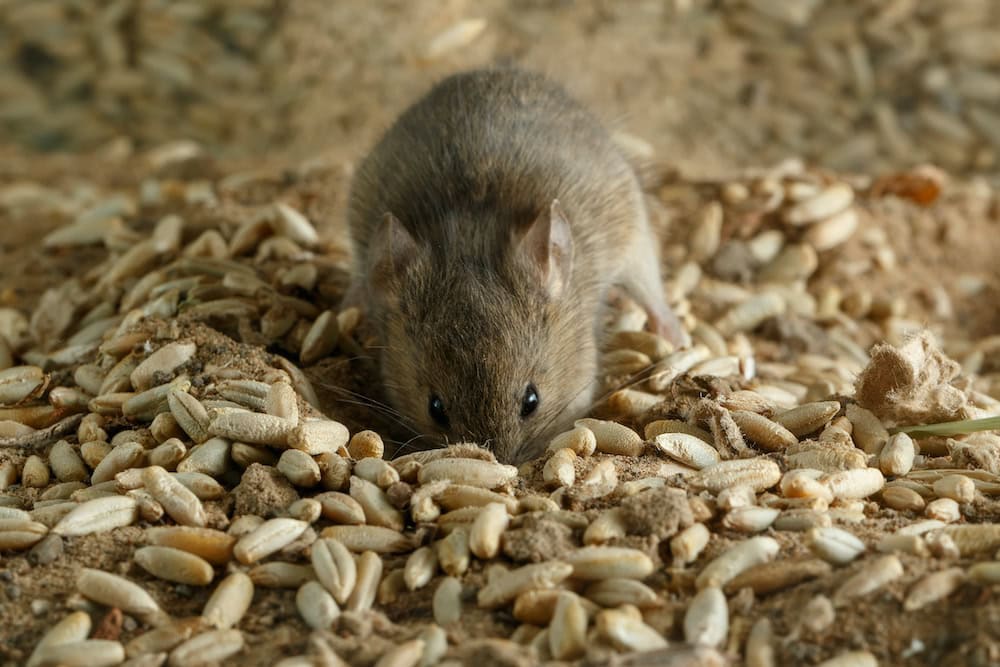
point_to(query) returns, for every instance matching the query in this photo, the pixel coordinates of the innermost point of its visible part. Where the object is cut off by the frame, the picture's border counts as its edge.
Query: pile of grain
(76, 74)
(853, 85)
(156, 399)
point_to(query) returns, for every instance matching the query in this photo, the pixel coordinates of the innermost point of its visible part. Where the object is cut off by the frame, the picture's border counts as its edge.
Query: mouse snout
(514, 446)
(504, 440)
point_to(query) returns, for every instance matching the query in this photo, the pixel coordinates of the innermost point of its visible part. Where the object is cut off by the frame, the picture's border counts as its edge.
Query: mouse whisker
(368, 399)
(377, 408)
(396, 420)
(366, 402)
(383, 348)
(635, 379)
(359, 357)
(555, 416)
(409, 446)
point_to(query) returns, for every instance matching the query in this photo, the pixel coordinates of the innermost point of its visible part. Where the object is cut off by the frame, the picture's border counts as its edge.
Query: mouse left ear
(548, 245)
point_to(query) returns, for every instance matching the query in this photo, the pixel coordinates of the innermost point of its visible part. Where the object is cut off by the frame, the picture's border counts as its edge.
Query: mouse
(488, 225)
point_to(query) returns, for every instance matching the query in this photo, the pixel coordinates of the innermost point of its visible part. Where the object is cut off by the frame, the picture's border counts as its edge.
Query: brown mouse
(488, 225)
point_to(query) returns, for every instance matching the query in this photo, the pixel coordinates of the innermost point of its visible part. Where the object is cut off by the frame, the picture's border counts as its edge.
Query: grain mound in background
(178, 482)
(864, 85)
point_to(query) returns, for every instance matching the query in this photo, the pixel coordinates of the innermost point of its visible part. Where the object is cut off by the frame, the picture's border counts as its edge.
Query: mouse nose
(506, 449)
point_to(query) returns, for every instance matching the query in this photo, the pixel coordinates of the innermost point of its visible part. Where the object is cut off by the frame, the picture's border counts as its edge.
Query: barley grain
(269, 537)
(174, 565)
(509, 585)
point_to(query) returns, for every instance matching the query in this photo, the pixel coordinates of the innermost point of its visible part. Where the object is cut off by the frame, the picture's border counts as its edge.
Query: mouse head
(484, 342)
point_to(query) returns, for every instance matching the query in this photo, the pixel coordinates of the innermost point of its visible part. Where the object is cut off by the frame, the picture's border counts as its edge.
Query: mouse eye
(435, 407)
(530, 401)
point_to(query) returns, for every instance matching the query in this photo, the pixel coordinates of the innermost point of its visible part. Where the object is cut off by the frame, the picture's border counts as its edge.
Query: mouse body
(488, 225)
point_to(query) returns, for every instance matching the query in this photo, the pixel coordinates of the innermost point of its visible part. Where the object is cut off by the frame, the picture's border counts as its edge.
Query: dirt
(263, 491)
(912, 385)
(660, 512)
(537, 540)
(939, 246)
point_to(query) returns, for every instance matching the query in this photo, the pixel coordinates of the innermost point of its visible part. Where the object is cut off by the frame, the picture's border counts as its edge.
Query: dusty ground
(942, 271)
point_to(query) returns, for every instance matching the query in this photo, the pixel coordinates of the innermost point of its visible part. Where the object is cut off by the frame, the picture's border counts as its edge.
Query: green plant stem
(962, 427)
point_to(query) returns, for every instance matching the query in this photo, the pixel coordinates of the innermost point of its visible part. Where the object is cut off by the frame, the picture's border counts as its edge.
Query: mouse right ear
(548, 244)
(391, 251)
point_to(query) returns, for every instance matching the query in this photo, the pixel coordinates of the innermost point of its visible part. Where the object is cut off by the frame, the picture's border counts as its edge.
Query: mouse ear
(391, 251)
(548, 244)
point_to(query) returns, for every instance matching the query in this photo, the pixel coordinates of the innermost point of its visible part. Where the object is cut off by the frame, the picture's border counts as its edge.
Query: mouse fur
(488, 224)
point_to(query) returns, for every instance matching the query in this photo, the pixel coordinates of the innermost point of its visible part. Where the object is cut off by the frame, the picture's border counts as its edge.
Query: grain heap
(859, 85)
(140, 405)
(78, 72)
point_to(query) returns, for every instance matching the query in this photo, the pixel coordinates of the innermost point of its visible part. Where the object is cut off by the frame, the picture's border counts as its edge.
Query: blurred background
(863, 85)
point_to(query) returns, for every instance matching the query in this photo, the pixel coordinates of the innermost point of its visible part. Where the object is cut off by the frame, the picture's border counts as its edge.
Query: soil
(942, 267)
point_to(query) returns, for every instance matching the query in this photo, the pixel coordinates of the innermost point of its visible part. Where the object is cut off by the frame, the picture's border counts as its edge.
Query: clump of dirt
(912, 384)
(263, 491)
(658, 512)
(537, 540)
(978, 450)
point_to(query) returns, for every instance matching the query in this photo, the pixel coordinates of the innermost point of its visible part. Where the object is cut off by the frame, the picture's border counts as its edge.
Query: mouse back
(484, 152)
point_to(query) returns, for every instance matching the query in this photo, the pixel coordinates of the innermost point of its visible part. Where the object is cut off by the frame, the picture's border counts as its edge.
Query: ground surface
(914, 266)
